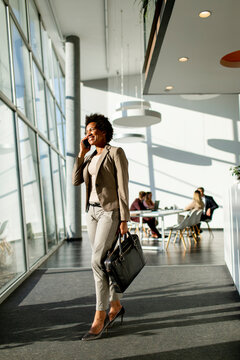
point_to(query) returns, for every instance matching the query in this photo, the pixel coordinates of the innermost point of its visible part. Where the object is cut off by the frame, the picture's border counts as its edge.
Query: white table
(156, 214)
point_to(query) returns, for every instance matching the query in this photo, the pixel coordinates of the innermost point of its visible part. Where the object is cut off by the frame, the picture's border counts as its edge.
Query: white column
(72, 71)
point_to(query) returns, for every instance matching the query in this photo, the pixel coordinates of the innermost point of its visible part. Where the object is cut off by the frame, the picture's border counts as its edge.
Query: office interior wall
(195, 144)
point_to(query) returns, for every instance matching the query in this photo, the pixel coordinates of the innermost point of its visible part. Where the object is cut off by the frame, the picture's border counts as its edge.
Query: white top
(92, 172)
(204, 201)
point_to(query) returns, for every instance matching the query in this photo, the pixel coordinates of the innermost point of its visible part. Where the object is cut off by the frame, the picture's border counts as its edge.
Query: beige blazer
(111, 179)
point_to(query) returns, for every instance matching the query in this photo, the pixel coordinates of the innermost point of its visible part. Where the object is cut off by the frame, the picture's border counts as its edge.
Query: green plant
(144, 5)
(235, 171)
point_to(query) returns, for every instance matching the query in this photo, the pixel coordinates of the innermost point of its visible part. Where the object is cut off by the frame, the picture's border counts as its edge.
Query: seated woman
(148, 203)
(138, 205)
(197, 203)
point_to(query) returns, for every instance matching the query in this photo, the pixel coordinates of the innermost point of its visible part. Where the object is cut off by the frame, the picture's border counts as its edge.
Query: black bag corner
(125, 262)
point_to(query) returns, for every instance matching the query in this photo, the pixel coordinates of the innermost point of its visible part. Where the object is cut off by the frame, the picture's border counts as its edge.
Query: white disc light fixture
(135, 114)
(129, 138)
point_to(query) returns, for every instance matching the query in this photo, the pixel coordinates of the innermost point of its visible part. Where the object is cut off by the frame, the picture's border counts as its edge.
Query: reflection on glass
(35, 32)
(62, 91)
(47, 57)
(12, 260)
(47, 193)
(57, 195)
(60, 130)
(51, 119)
(19, 9)
(63, 181)
(5, 80)
(64, 134)
(40, 101)
(31, 193)
(22, 74)
(56, 78)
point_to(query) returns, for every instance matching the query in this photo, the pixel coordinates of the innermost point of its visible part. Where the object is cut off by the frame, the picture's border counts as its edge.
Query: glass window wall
(32, 80)
(12, 258)
(51, 118)
(22, 75)
(60, 130)
(47, 193)
(62, 91)
(35, 32)
(57, 195)
(63, 181)
(40, 103)
(5, 79)
(19, 9)
(31, 192)
(56, 78)
(47, 57)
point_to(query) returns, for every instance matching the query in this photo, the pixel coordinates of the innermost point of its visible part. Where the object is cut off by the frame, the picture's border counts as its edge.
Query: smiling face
(95, 136)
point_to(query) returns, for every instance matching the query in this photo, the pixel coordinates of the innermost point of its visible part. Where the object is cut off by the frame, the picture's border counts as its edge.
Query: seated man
(138, 205)
(209, 206)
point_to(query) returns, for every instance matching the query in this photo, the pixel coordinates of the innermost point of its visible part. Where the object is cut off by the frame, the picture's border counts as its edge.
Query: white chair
(134, 226)
(178, 228)
(3, 235)
(207, 221)
(193, 220)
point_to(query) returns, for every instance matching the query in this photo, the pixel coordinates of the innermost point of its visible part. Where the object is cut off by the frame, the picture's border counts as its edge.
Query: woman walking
(105, 173)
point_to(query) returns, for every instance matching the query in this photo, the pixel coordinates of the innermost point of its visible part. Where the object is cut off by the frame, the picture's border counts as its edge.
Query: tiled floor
(208, 251)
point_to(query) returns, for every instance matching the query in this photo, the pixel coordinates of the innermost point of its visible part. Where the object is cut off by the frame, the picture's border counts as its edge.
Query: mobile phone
(86, 143)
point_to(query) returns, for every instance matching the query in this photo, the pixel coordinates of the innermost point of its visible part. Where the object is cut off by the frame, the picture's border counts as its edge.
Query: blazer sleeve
(121, 164)
(212, 203)
(77, 173)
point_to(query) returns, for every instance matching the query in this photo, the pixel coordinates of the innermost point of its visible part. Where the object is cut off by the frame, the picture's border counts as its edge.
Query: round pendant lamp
(129, 138)
(135, 114)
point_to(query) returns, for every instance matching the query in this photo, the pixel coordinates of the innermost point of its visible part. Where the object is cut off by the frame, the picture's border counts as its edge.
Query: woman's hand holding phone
(84, 147)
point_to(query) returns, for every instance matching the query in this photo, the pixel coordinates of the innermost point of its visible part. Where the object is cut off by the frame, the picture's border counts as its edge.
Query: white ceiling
(102, 44)
(204, 41)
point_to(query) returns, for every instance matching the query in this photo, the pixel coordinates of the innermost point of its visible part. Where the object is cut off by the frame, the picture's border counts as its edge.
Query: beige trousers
(102, 227)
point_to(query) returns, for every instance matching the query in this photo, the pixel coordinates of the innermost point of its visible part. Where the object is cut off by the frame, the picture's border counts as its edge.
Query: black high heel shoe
(90, 336)
(120, 313)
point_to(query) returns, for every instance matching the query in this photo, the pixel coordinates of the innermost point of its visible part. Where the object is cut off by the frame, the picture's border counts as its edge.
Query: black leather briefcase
(125, 261)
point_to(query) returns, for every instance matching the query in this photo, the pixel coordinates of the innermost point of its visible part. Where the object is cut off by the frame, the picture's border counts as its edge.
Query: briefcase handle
(120, 243)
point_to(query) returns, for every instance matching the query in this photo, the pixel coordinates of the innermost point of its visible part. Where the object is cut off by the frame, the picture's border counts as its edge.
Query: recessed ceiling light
(183, 59)
(168, 88)
(205, 14)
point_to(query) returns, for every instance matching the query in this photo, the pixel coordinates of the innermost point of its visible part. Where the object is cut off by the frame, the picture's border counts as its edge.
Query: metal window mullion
(56, 127)
(61, 187)
(6, 100)
(40, 32)
(10, 46)
(59, 87)
(53, 192)
(33, 127)
(33, 91)
(29, 47)
(6, 2)
(16, 134)
(18, 26)
(21, 193)
(52, 93)
(42, 197)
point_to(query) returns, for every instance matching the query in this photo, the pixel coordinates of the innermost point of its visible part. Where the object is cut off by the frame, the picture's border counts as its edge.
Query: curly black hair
(102, 123)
